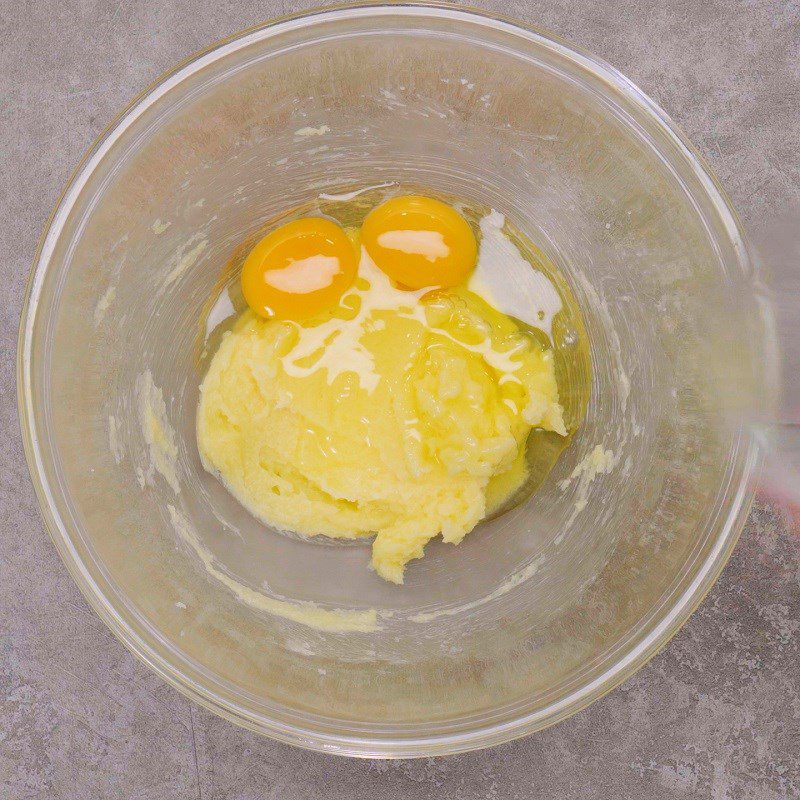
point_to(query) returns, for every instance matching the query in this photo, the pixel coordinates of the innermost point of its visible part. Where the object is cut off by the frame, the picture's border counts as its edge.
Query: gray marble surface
(715, 715)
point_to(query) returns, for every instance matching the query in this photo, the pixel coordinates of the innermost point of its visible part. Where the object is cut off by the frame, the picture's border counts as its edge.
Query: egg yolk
(419, 242)
(299, 269)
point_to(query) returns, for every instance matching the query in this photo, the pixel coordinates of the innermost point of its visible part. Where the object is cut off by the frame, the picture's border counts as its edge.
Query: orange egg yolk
(419, 242)
(299, 270)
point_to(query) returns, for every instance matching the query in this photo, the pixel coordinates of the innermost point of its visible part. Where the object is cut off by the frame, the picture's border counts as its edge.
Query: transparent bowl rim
(729, 529)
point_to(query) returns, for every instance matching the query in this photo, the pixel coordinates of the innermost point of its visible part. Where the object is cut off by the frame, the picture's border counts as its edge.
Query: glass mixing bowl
(539, 611)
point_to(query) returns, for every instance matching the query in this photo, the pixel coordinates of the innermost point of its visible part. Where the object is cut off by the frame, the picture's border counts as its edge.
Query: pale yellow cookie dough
(403, 415)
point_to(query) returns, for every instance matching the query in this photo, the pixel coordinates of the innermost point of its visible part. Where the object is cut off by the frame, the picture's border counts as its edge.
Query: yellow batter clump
(398, 414)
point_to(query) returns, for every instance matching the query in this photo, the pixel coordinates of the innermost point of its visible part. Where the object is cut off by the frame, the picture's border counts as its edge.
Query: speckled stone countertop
(715, 715)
